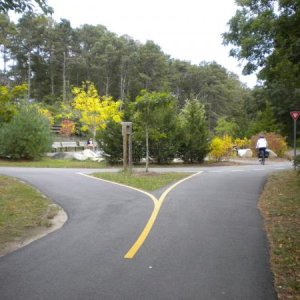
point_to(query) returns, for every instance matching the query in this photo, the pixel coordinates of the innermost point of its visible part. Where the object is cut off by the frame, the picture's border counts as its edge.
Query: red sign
(295, 114)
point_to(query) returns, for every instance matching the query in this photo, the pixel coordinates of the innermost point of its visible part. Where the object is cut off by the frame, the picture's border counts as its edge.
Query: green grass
(145, 181)
(21, 208)
(53, 163)
(280, 206)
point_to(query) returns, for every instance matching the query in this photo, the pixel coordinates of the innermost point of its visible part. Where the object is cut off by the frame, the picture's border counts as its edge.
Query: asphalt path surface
(207, 242)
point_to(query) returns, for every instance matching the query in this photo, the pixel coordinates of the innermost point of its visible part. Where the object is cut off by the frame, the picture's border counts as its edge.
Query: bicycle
(262, 155)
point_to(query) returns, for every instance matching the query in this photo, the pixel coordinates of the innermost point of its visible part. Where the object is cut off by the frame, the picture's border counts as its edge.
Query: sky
(188, 30)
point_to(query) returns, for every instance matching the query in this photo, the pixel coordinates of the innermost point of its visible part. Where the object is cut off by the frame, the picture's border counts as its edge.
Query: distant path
(208, 240)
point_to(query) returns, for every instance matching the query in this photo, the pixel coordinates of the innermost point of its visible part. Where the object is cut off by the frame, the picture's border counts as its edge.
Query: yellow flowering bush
(242, 143)
(221, 147)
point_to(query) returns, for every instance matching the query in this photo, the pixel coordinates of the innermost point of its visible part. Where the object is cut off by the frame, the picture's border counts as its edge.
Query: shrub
(26, 136)
(67, 128)
(276, 143)
(221, 147)
(242, 143)
(110, 141)
(192, 133)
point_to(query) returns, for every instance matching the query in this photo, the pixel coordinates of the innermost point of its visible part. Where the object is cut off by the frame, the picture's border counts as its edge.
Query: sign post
(295, 115)
(127, 145)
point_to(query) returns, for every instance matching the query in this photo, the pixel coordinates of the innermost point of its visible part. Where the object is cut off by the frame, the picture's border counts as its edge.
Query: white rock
(79, 156)
(245, 153)
(88, 154)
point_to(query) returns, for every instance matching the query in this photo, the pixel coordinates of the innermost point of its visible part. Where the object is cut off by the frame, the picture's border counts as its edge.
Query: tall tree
(194, 133)
(149, 117)
(266, 34)
(29, 51)
(21, 6)
(127, 65)
(63, 55)
(7, 31)
(152, 67)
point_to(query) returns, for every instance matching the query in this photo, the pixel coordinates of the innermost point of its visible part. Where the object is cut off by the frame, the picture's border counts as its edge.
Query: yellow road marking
(124, 185)
(139, 242)
(157, 205)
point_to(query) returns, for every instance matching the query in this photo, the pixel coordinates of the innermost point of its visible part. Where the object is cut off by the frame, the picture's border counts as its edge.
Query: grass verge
(149, 181)
(21, 209)
(53, 163)
(280, 207)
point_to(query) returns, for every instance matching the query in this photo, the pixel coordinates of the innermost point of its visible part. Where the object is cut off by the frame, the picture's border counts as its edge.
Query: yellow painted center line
(120, 184)
(157, 205)
(141, 239)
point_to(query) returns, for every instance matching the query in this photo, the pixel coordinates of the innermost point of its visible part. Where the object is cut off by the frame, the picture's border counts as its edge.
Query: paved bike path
(207, 243)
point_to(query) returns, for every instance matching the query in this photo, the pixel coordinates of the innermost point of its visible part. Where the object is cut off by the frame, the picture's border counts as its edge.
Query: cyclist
(262, 145)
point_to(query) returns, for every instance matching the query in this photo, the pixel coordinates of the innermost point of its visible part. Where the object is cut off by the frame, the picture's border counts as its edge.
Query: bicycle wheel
(262, 156)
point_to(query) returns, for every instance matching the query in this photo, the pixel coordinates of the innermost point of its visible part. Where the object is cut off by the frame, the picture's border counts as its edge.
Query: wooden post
(130, 152)
(127, 145)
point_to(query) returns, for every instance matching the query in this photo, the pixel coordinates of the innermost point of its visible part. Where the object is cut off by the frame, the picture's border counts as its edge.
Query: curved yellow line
(124, 185)
(139, 242)
(157, 205)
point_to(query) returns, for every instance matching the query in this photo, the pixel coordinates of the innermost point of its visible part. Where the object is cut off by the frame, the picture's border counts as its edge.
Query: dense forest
(52, 57)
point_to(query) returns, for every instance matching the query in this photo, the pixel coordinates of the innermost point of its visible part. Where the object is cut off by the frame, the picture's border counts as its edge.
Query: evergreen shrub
(26, 136)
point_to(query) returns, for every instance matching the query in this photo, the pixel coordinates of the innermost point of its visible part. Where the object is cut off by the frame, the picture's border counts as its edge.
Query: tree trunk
(5, 79)
(122, 86)
(29, 75)
(147, 148)
(52, 72)
(64, 78)
(107, 86)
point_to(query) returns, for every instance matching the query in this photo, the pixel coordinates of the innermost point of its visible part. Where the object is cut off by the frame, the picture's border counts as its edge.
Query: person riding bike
(262, 145)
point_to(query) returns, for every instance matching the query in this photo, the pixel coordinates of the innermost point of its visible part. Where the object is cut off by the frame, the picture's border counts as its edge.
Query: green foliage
(279, 205)
(26, 136)
(265, 34)
(225, 127)
(146, 181)
(110, 141)
(193, 132)
(46, 162)
(62, 57)
(164, 142)
(153, 118)
(21, 6)
(263, 122)
(21, 207)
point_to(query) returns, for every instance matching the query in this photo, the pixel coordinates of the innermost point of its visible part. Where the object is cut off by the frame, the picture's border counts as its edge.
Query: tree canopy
(265, 34)
(52, 57)
(21, 6)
